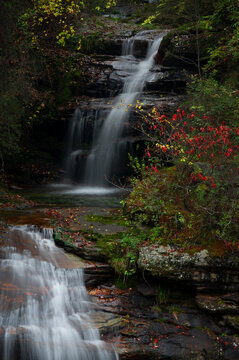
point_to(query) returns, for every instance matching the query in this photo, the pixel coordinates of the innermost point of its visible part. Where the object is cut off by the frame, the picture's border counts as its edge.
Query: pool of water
(66, 195)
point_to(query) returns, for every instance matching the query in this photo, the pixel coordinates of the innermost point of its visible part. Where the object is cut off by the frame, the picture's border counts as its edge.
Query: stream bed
(47, 313)
(66, 195)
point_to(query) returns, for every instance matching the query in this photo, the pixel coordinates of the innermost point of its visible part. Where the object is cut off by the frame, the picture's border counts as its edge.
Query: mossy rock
(195, 269)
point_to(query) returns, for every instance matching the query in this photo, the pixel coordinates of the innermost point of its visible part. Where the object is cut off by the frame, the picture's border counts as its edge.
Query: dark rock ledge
(199, 269)
(140, 328)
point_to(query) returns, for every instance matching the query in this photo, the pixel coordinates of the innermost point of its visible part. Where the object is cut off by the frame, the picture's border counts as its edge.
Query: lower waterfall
(45, 309)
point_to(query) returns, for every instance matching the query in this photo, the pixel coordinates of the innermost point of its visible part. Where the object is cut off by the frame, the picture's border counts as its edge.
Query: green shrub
(209, 97)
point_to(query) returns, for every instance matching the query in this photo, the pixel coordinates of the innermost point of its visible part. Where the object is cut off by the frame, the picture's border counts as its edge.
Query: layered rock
(198, 269)
(173, 330)
(112, 72)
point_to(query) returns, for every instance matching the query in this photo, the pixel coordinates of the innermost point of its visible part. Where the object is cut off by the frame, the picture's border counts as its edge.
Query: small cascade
(45, 309)
(109, 142)
(79, 136)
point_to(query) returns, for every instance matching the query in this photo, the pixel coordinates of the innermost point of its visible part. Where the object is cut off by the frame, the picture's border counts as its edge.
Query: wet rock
(115, 82)
(111, 47)
(196, 319)
(140, 47)
(98, 268)
(231, 321)
(191, 334)
(193, 345)
(14, 187)
(165, 103)
(141, 301)
(88, 252)
(98, 88)
(109, 73)
(231, 354)
(216, 305)
(145, 290)
(166, 81)
(98, 274)
(107, 323)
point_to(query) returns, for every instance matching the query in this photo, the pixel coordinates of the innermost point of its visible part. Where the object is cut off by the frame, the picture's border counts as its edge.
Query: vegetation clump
(187, 183)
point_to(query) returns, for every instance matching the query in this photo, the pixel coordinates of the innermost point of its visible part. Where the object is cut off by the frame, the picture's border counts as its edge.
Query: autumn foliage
(187, 183)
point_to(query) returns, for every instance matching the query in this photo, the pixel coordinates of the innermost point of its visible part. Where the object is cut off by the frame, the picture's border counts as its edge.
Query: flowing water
(45, 309)
(108, 139)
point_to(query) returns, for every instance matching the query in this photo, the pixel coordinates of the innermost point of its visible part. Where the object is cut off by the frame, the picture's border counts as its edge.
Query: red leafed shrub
(202, 193)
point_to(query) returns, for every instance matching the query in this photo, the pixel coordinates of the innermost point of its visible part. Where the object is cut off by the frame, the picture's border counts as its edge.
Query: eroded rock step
(111, 79)
(175, 330)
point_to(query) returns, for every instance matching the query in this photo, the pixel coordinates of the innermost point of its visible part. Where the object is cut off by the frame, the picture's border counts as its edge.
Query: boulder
(173, 80)
(198, 269)
(216, 304)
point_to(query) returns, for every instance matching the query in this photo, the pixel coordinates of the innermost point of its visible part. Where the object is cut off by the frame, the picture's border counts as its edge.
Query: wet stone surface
(151, 320)
(165, 331)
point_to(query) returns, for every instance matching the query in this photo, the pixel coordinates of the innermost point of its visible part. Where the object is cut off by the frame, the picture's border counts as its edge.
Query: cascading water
(78, 138)
(108, 144)
(45, 309)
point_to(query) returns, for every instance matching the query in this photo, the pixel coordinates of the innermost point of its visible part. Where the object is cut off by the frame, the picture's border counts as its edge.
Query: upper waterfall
(108, 142)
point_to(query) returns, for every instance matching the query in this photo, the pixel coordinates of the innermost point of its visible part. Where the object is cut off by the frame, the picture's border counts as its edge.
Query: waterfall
(80, 134)
(45, 309)
(108, 144)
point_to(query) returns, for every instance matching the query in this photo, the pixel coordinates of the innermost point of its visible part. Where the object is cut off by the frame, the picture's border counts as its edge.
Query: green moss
(109, 219)
(102, 219)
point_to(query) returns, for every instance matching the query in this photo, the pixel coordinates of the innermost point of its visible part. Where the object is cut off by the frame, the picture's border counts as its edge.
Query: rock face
(220, 304)
(198, 269)
(179, 50)
(111, 74)
(175, 330)
(109, 69)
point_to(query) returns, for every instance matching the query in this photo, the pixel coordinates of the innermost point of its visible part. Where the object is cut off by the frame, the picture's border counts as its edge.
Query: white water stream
(45, 309)
(108, 143)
